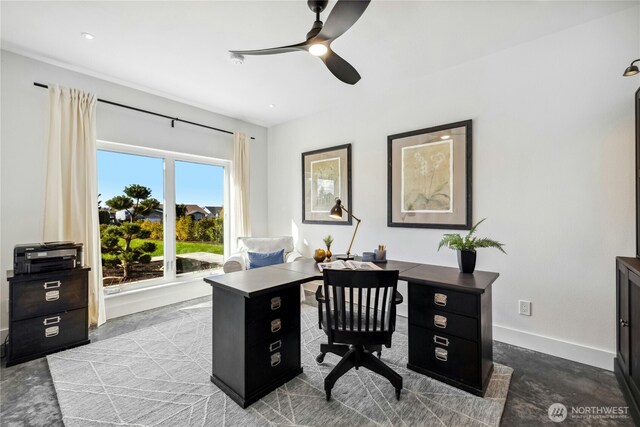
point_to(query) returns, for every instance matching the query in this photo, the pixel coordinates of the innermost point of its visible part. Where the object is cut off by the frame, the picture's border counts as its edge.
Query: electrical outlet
(524, 307)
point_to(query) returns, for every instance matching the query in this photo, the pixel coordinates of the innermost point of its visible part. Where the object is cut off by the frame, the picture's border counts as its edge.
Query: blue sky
(196, 183)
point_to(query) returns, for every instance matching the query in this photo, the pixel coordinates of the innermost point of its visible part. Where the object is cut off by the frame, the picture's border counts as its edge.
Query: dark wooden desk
(256, 326)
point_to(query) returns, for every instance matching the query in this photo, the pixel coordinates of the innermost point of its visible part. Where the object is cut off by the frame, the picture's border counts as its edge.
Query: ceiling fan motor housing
(317, 6)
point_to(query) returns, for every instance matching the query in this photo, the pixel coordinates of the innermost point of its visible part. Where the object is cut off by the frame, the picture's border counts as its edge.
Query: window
(162, 216)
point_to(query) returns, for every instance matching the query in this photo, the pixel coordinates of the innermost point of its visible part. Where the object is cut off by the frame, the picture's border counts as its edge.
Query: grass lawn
(182, 247)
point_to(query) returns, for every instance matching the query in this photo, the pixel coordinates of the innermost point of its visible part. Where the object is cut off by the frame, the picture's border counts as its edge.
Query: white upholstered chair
(240, 260)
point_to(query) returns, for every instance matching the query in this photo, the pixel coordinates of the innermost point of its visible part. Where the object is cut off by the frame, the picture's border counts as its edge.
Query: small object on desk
(319, 255)
(380, 254)
(367, 256)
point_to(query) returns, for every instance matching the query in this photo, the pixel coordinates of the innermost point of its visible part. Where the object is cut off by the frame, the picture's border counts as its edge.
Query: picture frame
(429, 177)
(326, 175)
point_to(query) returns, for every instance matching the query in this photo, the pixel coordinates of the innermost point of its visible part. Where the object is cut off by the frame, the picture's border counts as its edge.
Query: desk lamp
(336, 212)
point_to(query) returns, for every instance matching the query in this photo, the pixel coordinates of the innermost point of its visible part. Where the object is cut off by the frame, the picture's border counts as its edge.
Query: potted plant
(328, 240)
(466, 247)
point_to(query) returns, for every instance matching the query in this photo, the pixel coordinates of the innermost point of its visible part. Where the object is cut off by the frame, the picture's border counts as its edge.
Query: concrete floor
(28, 397)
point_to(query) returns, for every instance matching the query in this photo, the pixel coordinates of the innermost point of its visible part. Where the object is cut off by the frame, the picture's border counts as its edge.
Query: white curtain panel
(71, 195)
(240, 177)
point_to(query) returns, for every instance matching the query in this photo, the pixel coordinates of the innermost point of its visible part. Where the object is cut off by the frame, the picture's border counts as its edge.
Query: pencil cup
(380, 255)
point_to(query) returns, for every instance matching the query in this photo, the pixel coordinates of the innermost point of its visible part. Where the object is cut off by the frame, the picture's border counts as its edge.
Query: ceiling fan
(344, 14)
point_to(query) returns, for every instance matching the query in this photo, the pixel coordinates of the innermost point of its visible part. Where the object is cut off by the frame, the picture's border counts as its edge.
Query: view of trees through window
(132, 218)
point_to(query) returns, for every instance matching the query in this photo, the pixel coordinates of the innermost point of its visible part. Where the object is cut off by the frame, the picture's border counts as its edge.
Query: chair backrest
(265, 244)
(360, 305)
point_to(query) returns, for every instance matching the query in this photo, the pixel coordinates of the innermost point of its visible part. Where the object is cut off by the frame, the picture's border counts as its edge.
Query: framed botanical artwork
(429, 177)
(326, 175)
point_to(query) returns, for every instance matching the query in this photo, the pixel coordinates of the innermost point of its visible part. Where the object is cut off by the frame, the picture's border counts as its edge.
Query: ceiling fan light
(317, 49)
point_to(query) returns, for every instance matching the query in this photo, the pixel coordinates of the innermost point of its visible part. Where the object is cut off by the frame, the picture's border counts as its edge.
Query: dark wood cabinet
(627, 362)
(450, 327)
(256, 335)
(48, 312)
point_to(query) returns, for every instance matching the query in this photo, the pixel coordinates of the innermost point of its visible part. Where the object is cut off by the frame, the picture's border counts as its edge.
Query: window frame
(169, 215)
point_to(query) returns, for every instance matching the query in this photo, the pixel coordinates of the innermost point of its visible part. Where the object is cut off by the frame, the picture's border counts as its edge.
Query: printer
(47, 256)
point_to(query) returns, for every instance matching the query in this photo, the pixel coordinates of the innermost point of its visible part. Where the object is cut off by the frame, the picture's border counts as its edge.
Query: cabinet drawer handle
(441, 354)
(275, 359)
(440, 299)
(441, 340)
(276, 325)
(51, 320)
(440, 321)
(52, 295)
(275, 345)
(276, 302)
(51, 285)
(51, 331)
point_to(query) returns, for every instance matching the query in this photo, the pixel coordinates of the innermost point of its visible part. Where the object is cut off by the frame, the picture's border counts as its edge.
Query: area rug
(159, 376)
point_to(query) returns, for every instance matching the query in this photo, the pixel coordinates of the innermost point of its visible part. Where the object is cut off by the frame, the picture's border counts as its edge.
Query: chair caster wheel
(328, 393)
(320, 358)
(398, 393)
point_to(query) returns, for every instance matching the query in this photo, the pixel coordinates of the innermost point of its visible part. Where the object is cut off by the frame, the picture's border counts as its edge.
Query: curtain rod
(173, 119)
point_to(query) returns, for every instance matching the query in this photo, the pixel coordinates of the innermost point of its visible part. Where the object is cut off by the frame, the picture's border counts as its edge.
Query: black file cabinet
(256, 342)
(627, 361)
(450, 335)
(48, 312)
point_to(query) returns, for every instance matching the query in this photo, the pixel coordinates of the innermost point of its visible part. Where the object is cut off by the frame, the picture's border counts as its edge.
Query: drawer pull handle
(441, 340)
(275, 345)
(441, 354)
(51, 331)
(275, 359)
(51, 285)
(51, 320)
(276, 325)
(440, 299)
(276, 302)
(52, 295)
(440, 321)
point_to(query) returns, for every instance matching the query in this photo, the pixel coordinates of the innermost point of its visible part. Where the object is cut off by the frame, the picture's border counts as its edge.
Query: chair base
(355, 356)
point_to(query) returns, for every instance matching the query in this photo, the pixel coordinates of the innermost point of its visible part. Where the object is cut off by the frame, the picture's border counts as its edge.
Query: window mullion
(169, 219)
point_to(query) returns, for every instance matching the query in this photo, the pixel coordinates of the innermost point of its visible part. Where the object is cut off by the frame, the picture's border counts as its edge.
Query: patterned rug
(159, 376)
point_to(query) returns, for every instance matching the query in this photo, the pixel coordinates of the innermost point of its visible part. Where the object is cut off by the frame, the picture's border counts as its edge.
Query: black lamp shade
(336, 211)
(631, 70)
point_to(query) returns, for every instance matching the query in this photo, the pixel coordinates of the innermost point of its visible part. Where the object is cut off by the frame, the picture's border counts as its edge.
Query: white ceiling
(179, 48)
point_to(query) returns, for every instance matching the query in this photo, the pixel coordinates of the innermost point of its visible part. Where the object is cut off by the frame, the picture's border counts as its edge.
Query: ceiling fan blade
(344, 14)
(340, 67)
(274, 50)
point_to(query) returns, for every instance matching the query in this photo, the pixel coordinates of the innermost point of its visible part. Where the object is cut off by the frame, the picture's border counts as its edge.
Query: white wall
(23, 134)
(553, 148)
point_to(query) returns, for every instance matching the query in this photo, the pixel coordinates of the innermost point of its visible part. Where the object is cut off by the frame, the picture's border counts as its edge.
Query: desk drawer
(453, 357)
(269, 329)
(446, 323)
(283, 304)
(267, 361)
(443, 300)
(45, 296)
(47, 333)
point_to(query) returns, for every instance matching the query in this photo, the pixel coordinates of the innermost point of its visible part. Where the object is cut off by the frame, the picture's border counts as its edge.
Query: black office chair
(355, 328)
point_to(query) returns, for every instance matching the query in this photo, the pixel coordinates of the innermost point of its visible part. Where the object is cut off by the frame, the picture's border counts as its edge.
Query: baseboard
(125, 303)
(576, 352)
